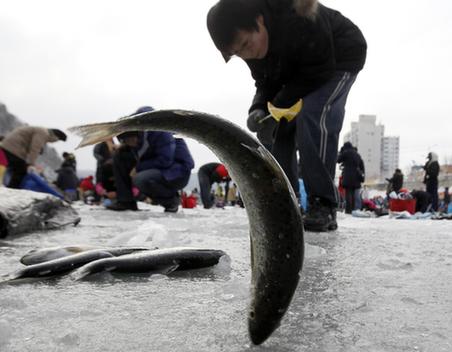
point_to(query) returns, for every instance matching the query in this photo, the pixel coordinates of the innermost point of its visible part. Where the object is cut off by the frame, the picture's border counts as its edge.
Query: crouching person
(22, 146)
(158, 164)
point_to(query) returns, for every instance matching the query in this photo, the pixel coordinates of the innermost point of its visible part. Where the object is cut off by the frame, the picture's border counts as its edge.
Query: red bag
(188, 202)
(403, 204)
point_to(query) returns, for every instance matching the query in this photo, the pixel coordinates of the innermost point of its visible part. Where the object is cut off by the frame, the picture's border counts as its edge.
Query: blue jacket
(155, 150)
(183, 162)
(160, 150)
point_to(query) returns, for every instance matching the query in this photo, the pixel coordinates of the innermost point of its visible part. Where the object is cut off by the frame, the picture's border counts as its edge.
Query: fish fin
(166, 270)
(110, 268)
(262, 153)
(79, 274)
(85, 270)
(95, 133)
(259, 151)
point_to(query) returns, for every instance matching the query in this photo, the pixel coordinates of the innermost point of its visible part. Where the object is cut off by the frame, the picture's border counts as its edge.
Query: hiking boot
(333, 223)
(172, 209)
(320, 217)
(172, 205)
(122, 206)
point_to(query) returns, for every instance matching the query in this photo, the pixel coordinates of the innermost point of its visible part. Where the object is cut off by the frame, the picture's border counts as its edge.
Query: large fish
(40, 255)
(162, 260)
(276, 228)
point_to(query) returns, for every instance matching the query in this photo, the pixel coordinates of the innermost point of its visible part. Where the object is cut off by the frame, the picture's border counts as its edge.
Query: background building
(379, 153)
(389, 156)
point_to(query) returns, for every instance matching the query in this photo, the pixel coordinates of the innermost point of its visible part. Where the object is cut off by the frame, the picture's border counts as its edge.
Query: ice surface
(373, 285)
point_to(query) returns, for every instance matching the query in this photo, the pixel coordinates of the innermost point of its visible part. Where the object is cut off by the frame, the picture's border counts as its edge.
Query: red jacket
(87, 184)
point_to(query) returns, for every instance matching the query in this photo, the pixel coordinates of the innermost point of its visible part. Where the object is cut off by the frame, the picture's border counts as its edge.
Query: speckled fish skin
(167, 259)
(40, 255)
(276, 227)
(59, 266)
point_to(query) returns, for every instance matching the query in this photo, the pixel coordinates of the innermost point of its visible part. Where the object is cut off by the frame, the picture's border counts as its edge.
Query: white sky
(69, 63)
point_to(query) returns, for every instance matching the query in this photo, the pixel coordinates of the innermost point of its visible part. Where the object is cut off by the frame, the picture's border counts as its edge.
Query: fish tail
(80, 273)
(95, 133)
(9, 278)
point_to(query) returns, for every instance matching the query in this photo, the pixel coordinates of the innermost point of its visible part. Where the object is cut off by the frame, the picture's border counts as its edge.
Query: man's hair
(143, 109)
(129, 134)
(306, 8)
(227, 17)
(59, 134)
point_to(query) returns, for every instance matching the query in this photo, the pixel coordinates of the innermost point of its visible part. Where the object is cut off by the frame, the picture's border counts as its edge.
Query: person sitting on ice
(423, 200)
(158, 164)
(67, 180)
(209, 174)
(22, 147)
(103, 152)
(87, 190)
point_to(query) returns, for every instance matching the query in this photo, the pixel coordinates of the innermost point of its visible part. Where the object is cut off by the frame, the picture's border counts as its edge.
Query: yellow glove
(2, 174)
(287, 113)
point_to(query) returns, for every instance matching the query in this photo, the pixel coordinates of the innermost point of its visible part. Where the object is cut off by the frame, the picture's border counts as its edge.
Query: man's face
(131, 141)
(251, 45)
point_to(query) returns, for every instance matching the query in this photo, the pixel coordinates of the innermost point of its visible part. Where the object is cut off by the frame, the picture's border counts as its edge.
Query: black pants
(432, 189)
(205, 186)
(150, 182)
(17, 168)
(349, 200)
(315, 133)
(124, 160)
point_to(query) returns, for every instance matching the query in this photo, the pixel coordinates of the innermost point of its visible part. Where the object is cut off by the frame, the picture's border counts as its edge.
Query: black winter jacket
(304, 53)
(352, 168)
(431, 171)
(396, 181)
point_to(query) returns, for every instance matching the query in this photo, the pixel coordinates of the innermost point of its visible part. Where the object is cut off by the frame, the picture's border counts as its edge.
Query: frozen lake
(373, 285)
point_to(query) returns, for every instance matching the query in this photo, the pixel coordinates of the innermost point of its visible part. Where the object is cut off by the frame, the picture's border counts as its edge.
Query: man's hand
(254, 120)
(32, 169)
(110, 195)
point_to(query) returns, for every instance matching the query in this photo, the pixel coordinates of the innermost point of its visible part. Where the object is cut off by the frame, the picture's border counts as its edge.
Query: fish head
(270, 301)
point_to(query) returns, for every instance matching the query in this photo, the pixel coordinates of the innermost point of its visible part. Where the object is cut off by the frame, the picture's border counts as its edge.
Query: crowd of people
(156, 167)
(144, 166)
(354, 197)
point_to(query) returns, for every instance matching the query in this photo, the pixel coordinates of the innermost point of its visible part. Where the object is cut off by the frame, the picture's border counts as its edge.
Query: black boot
(121, 206)
(320, 217)
(171, 205)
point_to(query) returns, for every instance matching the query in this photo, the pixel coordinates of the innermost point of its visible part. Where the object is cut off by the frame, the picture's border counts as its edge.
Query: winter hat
(144, 109)
(59, 134)
(221, 171)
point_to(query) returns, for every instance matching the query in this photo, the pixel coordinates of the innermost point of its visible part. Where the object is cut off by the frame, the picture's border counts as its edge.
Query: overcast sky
(69, 63)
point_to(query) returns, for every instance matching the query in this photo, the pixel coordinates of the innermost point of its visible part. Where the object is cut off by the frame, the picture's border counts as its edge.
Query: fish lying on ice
(40, 255)
(276, 228)
(163, 260)
(59, 266)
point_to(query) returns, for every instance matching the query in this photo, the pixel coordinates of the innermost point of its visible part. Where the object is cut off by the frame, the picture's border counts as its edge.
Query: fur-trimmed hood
(432, 156)
(306, 8)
